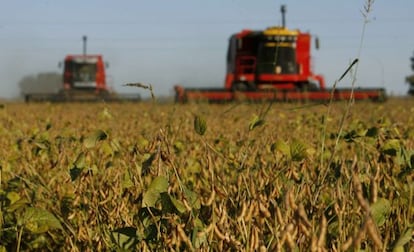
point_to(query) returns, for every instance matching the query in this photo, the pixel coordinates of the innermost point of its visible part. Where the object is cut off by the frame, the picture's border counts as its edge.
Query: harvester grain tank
(84, 79)
(272, 64)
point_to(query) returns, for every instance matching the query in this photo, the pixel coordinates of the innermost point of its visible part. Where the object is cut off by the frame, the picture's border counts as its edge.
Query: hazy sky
(165, 42)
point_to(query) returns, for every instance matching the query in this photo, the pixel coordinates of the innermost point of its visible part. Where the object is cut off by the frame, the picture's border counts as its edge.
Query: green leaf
(75, 172)
(142, 143)
(298, 151)
(127, 181)
(38, 243)
(333, 227)
(150, 198)
(179, 206)
(94, 138)
(196, 239)
(151, 233)
(78, 166)
(398, 249)
(125, 238)
(200, 125)
(80, 161)
(146, 165)
(152, 195)
(166, 204)
(350, 136)
(159, 184)
(171, 205)
(391, 147)
(411, 162)
(48, 126)
(178, 147)
(148, 216)
(193, 165)
(404, 239)
(255, 122)
(19, 204)
(372, 132)
(38, 220)
(380, 211)
(42, 144)
(192, 198)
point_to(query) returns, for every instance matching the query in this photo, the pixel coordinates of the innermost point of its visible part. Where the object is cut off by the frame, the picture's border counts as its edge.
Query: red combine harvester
(84, 79)
(272, 65)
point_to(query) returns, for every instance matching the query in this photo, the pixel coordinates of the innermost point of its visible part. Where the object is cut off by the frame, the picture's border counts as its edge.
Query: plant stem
(19, 238)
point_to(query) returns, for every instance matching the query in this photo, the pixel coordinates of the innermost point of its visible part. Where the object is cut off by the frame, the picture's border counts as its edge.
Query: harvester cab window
(84, 72)
(276, 59)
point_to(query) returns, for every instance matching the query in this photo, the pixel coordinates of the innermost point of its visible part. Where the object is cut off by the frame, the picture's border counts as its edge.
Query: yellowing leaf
(152, 195)
(404, 239)
(282, 147)
(380, 211)
(105, 114)
(127, 181)
(38, 220)
(142, 143)
(106, 149)
(13, 197)
(94, 138)
(255, 122)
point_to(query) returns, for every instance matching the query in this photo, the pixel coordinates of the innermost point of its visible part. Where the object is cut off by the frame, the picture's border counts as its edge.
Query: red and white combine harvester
(272, 65)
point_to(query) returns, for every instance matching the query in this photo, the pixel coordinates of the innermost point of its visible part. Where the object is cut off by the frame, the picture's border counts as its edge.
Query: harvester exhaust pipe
(84, 44)
(283, 11)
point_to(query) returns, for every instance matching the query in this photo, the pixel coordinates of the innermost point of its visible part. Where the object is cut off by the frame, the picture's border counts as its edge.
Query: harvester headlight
(278, 69)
